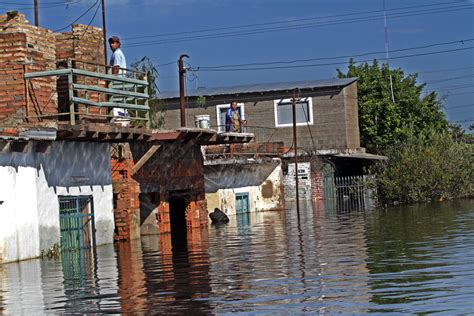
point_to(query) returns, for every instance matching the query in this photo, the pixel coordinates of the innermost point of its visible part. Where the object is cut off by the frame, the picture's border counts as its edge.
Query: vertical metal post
(36, 13)
(71, 93)
(295, 143)
(182, 71)
(104, 33)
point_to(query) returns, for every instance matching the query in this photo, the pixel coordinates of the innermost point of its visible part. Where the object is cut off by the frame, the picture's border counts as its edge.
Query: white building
(52, 192)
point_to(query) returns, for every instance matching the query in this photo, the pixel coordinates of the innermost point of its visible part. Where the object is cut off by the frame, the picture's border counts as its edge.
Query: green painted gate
(242, 203)
(76, 216)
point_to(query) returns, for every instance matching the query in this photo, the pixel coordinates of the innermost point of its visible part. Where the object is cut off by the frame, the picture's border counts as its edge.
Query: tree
(157, 107)
(383, 122)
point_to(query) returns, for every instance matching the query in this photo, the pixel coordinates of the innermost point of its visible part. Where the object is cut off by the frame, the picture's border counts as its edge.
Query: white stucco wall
(224, 199)
(30, 184)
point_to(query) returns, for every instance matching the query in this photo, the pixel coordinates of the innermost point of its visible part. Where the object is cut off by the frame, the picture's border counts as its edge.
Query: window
(284, 113)
(221, 109)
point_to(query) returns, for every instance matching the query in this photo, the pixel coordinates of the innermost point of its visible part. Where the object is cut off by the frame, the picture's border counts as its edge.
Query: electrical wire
(462, 41)
(330, 64)
(295, 27)
(80, 16)
(283, 22)
(90, 22)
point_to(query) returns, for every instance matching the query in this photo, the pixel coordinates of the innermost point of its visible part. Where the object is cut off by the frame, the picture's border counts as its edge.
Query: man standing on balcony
(119, 65)
(117, 60)
(233, 120)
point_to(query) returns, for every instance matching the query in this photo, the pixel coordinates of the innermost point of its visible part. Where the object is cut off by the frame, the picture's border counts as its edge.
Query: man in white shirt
(119, 65)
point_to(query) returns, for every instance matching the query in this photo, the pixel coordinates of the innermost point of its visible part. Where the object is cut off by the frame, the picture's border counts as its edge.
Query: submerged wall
(262, 182)
(30, 184)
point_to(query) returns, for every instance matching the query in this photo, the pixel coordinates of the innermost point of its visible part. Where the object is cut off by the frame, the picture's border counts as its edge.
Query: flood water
(402, 260)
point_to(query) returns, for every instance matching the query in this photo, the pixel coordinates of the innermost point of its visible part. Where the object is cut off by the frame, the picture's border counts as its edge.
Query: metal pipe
(36, 13)
(104, 33)
(182, 71)
(296, 154)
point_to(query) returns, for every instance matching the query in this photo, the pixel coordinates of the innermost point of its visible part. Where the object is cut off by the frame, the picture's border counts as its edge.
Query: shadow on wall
(65, 164)
(236, 176)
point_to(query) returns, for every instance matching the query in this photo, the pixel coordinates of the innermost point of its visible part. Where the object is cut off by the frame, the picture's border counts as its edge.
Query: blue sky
(287, 30)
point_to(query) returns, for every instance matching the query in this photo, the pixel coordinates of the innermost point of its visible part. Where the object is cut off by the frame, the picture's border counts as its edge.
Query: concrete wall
(30, 184)
(335, 117)
(264, 187)
(304, 181)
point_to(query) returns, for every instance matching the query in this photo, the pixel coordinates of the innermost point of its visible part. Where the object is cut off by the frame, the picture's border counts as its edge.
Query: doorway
(178, 222)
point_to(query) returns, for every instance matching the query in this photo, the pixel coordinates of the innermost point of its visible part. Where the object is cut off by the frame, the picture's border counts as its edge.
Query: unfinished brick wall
(317, 191)
(24, 47)
(126, 195)
(27, 48)
(85, 45)
(175, 170)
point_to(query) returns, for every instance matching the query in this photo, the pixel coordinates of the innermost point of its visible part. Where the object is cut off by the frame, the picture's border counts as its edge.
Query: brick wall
(23, 44)
(174, 170)
(126, 195)
(27, 48)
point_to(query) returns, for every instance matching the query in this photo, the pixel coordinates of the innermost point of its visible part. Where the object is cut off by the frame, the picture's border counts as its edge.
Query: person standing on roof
(117, 60)
(119, 65)
(233, 120)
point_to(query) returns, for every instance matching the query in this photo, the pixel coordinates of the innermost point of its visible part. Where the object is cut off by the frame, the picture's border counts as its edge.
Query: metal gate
(76, 216)
(242, 203)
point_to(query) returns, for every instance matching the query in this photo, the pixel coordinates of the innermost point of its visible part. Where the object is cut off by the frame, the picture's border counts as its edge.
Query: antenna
(387, 58)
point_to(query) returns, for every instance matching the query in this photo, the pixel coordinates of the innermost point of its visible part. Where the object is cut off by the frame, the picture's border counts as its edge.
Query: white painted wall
(304, 182)
(30, 184)
(224, 199)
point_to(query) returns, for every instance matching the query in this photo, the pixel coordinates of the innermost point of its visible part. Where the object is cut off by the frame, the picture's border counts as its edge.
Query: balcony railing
(89, 91)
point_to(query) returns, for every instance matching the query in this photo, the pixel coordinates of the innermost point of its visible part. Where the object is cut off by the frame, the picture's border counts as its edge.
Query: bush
(427, 167)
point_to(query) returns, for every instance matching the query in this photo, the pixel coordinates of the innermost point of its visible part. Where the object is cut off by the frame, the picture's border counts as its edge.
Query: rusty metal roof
(262, 87)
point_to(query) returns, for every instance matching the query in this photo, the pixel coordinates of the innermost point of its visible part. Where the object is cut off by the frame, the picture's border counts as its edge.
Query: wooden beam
(144, 159)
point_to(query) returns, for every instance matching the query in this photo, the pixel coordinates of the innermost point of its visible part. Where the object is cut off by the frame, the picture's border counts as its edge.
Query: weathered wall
(304, 181)
(334, 115)
(24, 44)
(28, 223)
(263, 184)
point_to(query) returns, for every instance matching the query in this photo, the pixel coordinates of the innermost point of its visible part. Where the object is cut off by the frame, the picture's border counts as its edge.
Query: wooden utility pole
(36, 13)
(182, 71)
(295, 144)
(104, 31)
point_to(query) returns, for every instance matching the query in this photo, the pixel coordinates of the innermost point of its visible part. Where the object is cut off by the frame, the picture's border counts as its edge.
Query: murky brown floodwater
(402, 260)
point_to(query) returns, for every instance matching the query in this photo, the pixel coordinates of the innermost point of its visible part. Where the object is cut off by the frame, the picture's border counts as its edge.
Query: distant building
(327, 125)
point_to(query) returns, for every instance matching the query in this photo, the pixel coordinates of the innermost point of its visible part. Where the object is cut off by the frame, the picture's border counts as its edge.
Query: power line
(283, 22)
(48, 5)
(295, 27)
(462, 41)
(332, 64)
(459, 106)
(80, 16)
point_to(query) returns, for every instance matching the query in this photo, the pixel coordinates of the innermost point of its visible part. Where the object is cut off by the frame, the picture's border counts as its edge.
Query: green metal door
(76, 216)
(242, 203)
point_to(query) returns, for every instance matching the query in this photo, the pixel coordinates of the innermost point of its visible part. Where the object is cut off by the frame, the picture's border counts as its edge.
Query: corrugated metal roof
(261, 87)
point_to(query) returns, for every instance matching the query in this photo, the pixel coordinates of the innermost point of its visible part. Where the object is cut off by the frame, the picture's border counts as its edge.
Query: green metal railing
(93, 87)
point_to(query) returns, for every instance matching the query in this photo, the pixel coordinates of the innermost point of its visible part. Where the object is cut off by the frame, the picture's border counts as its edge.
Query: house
(70, 177)
(327, 127)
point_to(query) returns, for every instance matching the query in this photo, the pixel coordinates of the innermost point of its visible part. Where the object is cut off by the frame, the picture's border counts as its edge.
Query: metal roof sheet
(261, 87)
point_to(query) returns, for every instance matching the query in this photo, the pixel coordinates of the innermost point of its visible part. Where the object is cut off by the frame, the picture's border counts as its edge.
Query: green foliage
(201, 101)
(428, 166)
(384, 123)
(157, 107)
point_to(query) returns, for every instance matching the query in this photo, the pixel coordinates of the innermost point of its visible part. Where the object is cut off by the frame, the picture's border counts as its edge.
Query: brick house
(64, 168)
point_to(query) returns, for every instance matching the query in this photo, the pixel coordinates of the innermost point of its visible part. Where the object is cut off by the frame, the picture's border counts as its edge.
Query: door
(242, 203)
(76, 220)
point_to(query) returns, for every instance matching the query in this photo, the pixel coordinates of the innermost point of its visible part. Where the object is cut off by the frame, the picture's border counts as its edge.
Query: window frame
(221, 127)
(309, 100)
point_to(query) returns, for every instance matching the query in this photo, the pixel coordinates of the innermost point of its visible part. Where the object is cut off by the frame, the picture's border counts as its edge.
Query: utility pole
(386, 50)
(182, 71)
(104, 31)
(36, 13)
(296, 154)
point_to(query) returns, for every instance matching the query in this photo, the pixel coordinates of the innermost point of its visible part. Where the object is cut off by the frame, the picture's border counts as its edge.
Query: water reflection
(402, 260)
